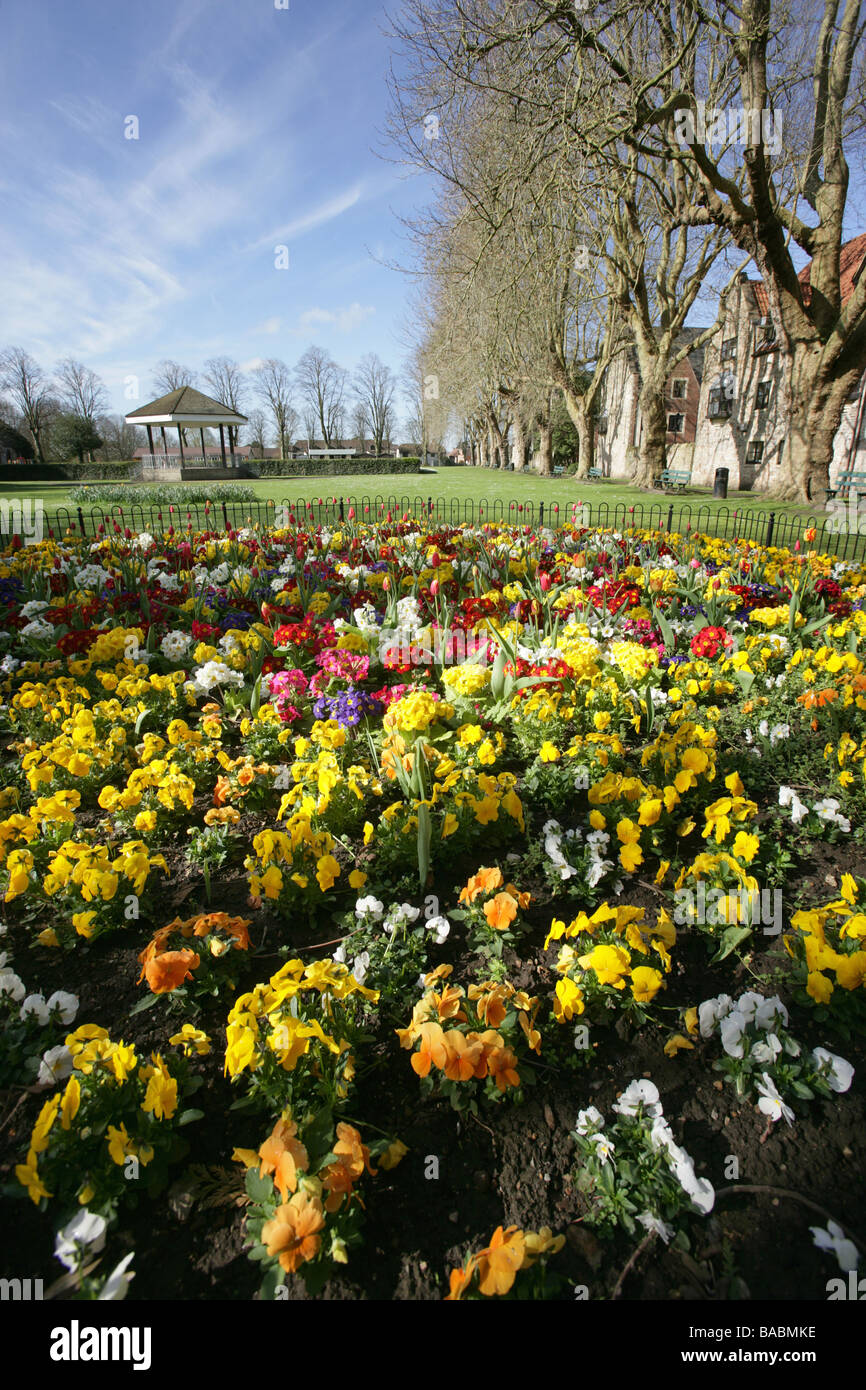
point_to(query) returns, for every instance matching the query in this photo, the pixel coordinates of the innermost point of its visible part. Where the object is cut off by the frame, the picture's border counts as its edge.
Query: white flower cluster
(553, 837)
(175, 645)
(30, 610)
(749, 1028)
(826, 810)
(38, 630)
(212, 675)
(143, 541)
(643, 1097)
(91, 577)
(777, 734)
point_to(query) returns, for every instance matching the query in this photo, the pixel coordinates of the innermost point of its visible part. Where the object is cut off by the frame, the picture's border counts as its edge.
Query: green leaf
(188, 1116)
(271, 1282)
(258, 1189)
(731, 938)
(146, 1003)
(425, 834)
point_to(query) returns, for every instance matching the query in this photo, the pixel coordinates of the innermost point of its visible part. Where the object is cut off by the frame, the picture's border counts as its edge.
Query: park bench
(848, 481)
(558, 470)
(673, 478)
(595, 473)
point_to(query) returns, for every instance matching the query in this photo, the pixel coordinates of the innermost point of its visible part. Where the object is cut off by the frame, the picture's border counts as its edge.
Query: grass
(399, 491)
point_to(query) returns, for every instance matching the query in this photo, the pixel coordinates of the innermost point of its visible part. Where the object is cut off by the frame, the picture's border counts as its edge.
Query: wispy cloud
(344, 320)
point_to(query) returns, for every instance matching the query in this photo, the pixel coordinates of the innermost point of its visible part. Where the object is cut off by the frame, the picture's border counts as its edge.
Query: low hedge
(77, 472)
(330, 468)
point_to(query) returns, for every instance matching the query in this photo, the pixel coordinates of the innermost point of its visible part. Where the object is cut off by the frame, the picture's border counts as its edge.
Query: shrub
(162, 494)
(331, 468)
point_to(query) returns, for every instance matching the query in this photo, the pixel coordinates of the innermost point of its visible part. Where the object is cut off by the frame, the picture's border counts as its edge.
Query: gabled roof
(184, 406)
(852, 256)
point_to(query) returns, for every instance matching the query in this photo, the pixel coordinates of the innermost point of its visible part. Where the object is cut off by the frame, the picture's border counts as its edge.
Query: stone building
(736, 421)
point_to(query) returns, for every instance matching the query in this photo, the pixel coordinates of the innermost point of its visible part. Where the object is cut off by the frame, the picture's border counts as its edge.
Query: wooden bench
(558, 470)
(673, 478)
(595, 473)
(848, 481)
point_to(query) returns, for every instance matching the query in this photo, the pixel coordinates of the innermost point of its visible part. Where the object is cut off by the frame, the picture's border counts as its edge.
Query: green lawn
(457, 484)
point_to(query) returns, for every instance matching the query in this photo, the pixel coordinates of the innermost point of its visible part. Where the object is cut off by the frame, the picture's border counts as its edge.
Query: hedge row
(330, 468)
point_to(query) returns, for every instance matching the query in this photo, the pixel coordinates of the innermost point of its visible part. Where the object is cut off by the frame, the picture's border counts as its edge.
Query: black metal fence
(757, 525)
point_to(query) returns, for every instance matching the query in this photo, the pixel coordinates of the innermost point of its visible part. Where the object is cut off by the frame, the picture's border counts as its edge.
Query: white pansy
(34, 1006)
(370, 907)
(85, 1230)
(639, 1094)
(654, 1223)
(117, 1284)
(65, 1004)
(788, 797)
(731, 1029)
(834, 1238)
(604, 1147)
(836, 1071)
(587, 1119)
(440, 926)
(56, 1066)
(771, 1102)
(13, 985)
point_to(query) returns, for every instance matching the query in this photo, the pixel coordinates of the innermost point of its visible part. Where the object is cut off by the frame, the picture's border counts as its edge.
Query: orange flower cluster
(501, 909)
(166, 970)
(510, 1250)
(294, 1231)
(466, 1054)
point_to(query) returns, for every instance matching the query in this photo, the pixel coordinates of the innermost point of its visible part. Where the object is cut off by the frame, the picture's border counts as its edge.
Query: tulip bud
(544, 583)
(434, 588)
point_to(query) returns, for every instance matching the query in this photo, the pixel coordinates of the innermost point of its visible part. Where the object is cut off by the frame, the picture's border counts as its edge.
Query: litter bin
(720, 486)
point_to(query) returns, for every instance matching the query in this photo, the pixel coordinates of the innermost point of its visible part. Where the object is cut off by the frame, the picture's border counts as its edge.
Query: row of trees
(63, 415)
(602, 169)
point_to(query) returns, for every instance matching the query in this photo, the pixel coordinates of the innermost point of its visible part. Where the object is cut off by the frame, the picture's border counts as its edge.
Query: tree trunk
(579, 416)
(518, 444)
(545, 452)
(812, 407)
(482, 451)
(652, 456)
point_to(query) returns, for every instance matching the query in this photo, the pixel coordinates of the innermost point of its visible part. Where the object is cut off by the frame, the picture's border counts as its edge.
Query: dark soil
(509, 1165)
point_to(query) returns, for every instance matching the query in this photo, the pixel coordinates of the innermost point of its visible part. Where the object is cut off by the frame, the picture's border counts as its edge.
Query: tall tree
(30, 392)
(226, 381)
(169, 376)
(81, 390)
(273, 386)
(375, 386)
(322, 384)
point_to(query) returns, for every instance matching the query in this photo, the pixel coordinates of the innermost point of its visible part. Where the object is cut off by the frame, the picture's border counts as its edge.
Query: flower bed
(473, 880)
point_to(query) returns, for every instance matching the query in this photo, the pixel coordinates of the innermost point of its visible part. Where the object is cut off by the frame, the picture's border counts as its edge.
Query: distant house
(620, 426)
(724, 402)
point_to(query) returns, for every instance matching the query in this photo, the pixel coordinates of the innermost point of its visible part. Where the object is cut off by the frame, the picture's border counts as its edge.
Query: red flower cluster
(709, 642)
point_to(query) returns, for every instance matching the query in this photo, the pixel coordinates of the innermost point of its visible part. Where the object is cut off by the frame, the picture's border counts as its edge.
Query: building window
(755, 451)
(675, 424)
(765, 336)
(729, 350)
(678, 389)
(720, 403)
(762, 395)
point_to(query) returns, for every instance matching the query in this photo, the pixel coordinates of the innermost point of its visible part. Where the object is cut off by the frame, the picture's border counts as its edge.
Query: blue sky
(256, 129)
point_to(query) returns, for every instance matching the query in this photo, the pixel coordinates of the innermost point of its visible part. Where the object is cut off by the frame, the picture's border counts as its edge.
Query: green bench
(673, 478)
(848, 481)
(595, 473)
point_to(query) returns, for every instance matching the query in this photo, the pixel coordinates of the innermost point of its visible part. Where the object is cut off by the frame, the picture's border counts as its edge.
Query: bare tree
(322, 384)
(119, 440)
(256, 430)
(81, 390)
(225, 379)
(273, 385)
(375, 385)
(629, 85)
(30, 392)
(170, 376)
